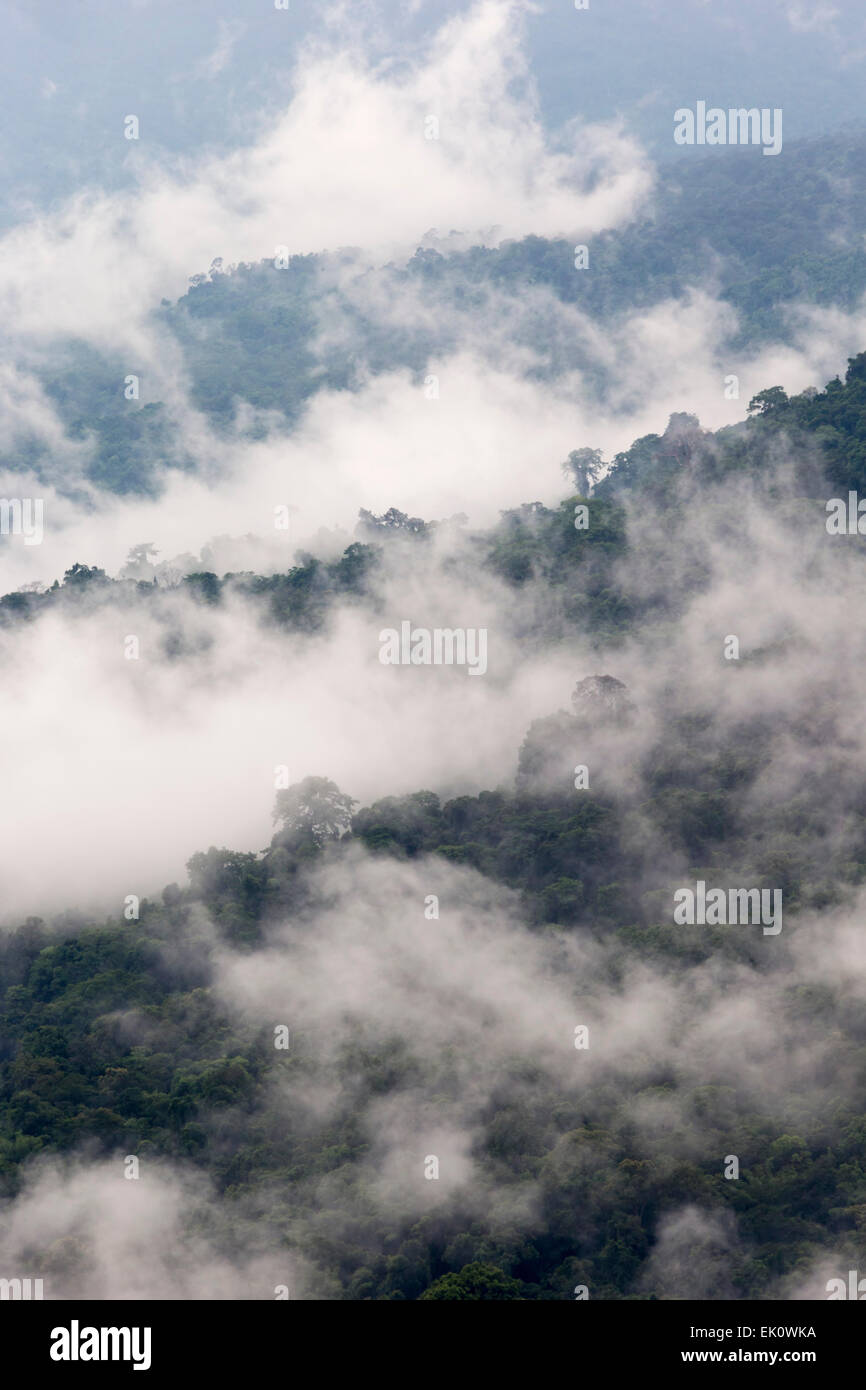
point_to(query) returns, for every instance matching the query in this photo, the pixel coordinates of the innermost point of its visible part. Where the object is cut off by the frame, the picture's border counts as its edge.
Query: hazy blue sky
(205, 74)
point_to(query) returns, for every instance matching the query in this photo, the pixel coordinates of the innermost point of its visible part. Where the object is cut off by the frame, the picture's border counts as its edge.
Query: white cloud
(807, 16)
(347, 163)
(228, 34)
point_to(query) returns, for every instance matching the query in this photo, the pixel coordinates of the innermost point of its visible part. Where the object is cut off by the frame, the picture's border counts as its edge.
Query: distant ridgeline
(821, 436)
(765, 233)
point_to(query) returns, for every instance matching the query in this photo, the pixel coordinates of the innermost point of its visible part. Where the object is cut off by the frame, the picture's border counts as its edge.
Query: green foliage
(475, 1282)
(113, 1040)
(312, 811)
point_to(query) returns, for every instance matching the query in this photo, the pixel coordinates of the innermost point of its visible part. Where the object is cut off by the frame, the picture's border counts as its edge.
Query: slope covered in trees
(255, 337)
(119, 1037)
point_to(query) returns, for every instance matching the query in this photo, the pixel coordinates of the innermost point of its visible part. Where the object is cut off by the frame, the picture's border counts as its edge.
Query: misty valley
(352, 351)
(412, 1035)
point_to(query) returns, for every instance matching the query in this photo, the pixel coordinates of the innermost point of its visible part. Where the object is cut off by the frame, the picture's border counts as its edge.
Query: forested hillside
(254, 337)
(154, 1036)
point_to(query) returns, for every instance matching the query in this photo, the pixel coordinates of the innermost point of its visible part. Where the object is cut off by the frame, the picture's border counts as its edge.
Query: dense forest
(120, 1037)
